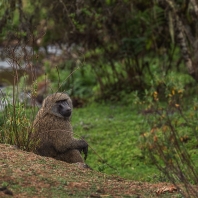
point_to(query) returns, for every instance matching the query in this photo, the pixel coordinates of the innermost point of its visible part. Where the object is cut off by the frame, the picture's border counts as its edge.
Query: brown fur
(55, 134)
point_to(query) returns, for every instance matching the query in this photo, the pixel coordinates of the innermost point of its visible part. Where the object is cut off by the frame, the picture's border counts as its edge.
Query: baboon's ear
(44, 104)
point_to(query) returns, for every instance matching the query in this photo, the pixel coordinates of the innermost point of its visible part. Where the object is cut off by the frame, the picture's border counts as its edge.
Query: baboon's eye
(60, 106)
(63, 104)
(61, 101)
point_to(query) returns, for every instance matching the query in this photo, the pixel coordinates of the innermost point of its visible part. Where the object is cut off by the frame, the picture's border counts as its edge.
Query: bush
(170, 139)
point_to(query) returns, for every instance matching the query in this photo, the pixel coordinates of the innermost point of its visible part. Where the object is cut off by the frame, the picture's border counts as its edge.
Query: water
(10, 77)
(3, 100)
(6, 71)
(4, 64)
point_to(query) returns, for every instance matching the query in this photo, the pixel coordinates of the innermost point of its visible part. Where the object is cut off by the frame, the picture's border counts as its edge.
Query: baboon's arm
(64, 144)
(81, 145)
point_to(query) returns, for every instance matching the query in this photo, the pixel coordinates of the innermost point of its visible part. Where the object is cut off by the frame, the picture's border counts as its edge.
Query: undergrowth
(170, 135)
(148, 136)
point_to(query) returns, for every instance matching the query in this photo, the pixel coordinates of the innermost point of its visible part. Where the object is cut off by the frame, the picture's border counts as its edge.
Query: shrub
(169, 137)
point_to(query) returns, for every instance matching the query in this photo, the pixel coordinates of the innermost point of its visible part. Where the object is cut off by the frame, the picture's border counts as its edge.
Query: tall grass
(16, 120)
(17, 127)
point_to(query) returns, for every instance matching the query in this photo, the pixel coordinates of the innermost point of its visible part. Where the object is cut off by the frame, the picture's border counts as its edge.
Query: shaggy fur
(55, 133)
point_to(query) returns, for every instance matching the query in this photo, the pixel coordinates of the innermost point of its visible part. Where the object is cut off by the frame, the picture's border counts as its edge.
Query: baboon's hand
(84, 148)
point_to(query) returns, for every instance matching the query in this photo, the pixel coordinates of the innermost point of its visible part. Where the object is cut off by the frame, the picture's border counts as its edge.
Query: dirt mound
(24, 174)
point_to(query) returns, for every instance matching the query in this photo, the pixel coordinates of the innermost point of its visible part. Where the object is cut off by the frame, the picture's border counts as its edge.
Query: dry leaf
(165, 189)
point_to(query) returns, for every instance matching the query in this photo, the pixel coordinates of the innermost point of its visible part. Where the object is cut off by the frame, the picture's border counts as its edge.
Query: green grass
(113, 132)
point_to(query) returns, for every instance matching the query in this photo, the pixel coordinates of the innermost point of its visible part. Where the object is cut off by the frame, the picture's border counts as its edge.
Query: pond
(7, 76)
(10, 72)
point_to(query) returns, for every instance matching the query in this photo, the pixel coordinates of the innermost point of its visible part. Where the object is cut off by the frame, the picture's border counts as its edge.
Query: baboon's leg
(71, 156)
(47, 150)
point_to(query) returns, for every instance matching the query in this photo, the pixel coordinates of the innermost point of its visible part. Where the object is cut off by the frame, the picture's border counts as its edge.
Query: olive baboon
(53, 130)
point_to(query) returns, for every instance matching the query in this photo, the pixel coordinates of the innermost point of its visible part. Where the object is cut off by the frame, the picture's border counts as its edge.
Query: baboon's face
(63, 108)
(58, 104)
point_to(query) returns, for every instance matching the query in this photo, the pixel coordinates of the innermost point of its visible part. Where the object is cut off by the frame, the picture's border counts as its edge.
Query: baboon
(53, 130)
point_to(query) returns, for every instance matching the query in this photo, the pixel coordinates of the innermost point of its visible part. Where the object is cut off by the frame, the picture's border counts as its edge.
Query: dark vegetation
(136, 59)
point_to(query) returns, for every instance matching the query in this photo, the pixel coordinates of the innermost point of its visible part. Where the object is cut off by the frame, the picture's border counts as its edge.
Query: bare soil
(25, 174)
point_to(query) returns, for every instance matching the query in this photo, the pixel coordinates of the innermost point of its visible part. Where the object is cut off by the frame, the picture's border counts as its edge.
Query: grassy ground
(25, 174)
(120, 168)
(113, 133)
